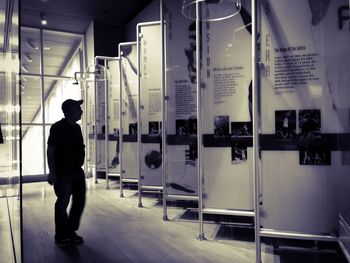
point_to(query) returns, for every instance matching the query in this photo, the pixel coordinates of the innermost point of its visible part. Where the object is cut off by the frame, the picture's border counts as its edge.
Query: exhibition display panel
(150, 105)
(181, 179)
(304, 112)
(221, 87)
(226, 113)
(104, 126)
(304, 119)
(258, 79)
(129, 162)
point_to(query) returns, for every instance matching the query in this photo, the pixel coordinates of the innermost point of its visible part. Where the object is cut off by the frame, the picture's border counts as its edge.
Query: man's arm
(51, 163)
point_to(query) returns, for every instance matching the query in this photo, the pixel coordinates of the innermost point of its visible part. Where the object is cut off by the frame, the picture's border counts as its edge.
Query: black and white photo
(221, 125)
(241, 129)
(238, 153)
(315, 156)
(309, 123)
(285, 124)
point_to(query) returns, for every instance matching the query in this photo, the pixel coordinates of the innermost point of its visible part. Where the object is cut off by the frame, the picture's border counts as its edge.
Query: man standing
(65, 155)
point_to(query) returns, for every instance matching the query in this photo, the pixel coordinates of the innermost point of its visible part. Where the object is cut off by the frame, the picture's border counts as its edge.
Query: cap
(69, 103)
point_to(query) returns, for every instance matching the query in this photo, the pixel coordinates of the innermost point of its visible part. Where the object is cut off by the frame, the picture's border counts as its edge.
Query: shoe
(63, 242)
(76, 239)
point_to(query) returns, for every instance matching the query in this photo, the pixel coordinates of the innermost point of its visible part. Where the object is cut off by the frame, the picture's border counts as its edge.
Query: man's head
(71, 109)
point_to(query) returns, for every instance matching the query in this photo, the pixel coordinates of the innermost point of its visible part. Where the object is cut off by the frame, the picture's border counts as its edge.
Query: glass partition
(10, 139)
(31, 100)
(51, 61)
(32, 150)
(304, 115)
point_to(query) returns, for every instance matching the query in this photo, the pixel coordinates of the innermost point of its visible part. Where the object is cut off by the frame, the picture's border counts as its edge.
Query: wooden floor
(116, 230)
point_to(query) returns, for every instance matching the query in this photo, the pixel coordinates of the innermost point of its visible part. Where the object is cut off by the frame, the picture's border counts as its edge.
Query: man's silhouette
(65, 155)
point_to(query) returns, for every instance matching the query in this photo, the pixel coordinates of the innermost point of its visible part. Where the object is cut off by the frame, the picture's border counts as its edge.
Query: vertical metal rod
(121, 121)
(139, 126)
(43, 95)
(84, 126)
(106, 125)
(199, 118)
(255, 86)
(95, 123)
(163, 109)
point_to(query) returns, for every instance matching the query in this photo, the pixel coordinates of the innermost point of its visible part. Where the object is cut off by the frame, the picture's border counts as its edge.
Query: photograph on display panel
(241, 129)
(315, 156)
(238, 153)
(310, 123)
(221, 125)
(285, 124)
(154, 127)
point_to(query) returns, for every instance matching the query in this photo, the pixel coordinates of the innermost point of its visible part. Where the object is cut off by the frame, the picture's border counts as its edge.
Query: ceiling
(76, 15)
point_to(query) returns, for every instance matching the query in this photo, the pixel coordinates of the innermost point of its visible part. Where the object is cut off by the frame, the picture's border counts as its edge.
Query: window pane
(56, 91)
(32, 150)
(31, 100)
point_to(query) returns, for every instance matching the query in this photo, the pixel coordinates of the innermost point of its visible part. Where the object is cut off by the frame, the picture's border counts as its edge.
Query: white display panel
(128, 57)
(182, 157)
(226, 108)
(113, 117)
(100, 124)
(150, 103)
(304, 113)
(112, 84)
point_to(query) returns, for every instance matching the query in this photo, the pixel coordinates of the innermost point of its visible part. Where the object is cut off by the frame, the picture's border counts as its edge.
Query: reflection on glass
(31, 100)
(32, 150)
(61, 53)
(30, 51)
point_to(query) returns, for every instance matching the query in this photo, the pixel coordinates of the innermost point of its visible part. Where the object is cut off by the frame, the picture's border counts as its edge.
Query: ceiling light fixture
(210, 10)
(24, 68)
(28, 57)
(43, 19)
(30, 44)
(46, 48)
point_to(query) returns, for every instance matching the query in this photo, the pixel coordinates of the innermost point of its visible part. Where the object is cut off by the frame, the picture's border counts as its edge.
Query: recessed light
(28, 57)
(30, 43)
(24, 68)
(43, 19)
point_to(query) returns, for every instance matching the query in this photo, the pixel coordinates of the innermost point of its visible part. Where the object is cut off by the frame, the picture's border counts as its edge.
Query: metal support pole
(120, 123)
(199, 118)
(106, 126)
(85, 119)
(139, 126)
(163, 108)
(95, 124)
(255, 90)
(43, 95)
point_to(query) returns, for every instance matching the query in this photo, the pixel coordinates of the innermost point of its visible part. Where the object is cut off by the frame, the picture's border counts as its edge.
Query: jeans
(67, 185)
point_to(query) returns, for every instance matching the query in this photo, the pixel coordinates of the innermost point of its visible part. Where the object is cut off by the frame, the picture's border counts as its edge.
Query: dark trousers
(65, 186)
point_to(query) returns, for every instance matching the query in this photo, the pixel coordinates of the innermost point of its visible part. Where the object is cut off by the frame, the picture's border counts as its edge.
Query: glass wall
(10, 238)
(49, 62)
